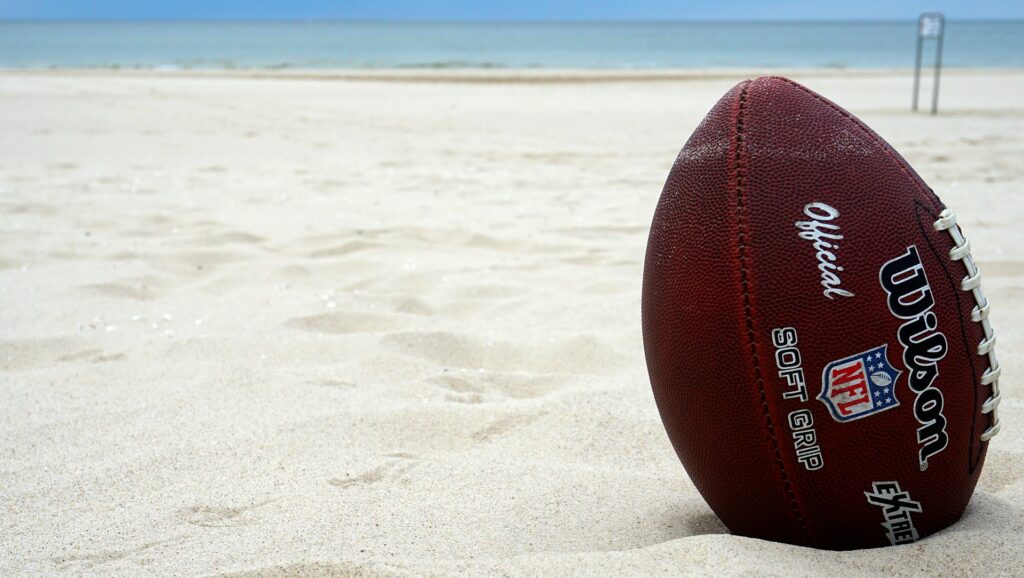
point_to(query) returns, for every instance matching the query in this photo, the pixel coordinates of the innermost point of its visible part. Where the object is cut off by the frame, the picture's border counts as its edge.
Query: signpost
(929, 25)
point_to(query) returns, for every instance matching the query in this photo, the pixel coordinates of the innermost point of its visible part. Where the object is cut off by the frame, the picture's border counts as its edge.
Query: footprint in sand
(20, 354)
(342, 249)
(92, 356)
(135, 291)
(575, 354)
(396, 468)
(218, 516)
(37, 209)
(341, 323)
(489, 292)
(504, 425)
(106, 556)
(334, 383)
(454, 350)
(228, 237)
(413, 306)
(475, 387)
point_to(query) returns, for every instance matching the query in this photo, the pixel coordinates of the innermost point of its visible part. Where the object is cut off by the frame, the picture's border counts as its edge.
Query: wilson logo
(910, 298)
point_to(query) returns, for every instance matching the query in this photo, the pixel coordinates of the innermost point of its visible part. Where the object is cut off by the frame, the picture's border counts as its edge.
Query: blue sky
(503, 10)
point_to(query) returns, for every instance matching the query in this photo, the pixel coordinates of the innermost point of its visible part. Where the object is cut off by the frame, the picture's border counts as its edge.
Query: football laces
(961, 251)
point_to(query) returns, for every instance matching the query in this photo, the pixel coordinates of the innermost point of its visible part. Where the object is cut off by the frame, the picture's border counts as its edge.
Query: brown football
(815, 331)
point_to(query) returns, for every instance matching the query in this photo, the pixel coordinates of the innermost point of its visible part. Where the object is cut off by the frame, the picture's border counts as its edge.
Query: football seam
(972, 459)
(900, 162)
(740, 171)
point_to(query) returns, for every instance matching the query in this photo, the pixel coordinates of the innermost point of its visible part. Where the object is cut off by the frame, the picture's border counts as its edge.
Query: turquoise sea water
(499, 45)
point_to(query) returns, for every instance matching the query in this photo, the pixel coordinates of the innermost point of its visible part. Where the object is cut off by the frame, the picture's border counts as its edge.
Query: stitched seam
(972, 459)
(871, 134)
(742, 246)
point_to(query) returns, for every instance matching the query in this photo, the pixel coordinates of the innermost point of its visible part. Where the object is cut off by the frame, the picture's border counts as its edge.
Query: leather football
(814, 326)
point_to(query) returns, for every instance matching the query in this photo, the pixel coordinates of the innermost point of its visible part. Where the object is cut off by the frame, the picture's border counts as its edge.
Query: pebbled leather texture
(729, 283)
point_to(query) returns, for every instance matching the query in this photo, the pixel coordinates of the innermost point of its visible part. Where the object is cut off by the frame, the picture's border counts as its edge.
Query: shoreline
(504, 75)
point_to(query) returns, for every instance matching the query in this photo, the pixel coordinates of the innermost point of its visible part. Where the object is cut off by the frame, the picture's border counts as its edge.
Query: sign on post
(931, 25)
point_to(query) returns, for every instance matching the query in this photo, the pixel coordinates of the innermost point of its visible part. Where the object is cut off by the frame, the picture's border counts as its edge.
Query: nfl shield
(859, 385)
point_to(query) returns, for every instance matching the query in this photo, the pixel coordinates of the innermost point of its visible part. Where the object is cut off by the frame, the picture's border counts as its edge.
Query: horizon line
(332, 20)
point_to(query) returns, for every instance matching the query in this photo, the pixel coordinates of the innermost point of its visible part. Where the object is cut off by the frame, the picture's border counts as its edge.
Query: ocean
(234, 45)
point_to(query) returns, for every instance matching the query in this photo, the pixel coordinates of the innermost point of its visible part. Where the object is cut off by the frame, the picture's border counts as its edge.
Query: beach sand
(320, 324)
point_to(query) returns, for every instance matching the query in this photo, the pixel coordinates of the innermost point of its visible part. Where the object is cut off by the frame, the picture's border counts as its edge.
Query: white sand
(333, 326)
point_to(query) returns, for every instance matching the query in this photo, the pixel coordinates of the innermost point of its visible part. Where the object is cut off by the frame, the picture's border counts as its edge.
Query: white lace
(972, 282)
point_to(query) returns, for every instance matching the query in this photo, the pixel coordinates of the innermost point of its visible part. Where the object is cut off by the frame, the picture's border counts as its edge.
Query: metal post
(929, 25)
(917, 71)
(935, 84)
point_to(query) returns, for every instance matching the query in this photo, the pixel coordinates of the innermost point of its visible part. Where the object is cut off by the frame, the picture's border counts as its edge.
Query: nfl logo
(859, 385)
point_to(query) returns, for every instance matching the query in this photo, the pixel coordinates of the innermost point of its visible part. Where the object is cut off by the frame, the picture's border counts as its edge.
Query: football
(815, 331)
